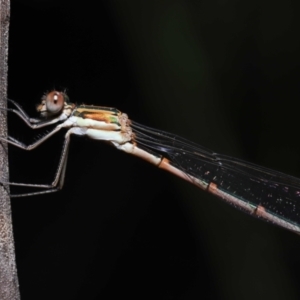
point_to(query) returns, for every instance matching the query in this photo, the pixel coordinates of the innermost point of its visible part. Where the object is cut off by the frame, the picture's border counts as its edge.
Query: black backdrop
(222, 74)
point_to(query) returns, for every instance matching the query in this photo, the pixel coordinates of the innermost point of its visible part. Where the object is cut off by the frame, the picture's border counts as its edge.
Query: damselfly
(261, 192)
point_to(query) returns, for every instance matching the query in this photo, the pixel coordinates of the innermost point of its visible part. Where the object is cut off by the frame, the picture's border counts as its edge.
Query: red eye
(54, 102)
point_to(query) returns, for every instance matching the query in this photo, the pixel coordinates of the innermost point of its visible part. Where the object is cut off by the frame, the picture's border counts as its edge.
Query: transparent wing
(277, 193)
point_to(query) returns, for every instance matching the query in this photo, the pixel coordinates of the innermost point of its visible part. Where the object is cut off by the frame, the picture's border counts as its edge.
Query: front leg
(30, 122)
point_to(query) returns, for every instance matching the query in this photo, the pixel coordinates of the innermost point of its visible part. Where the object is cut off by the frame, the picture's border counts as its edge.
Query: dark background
(224, 74)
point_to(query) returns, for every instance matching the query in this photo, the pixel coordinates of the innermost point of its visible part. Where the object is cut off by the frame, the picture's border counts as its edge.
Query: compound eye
(54, 102)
